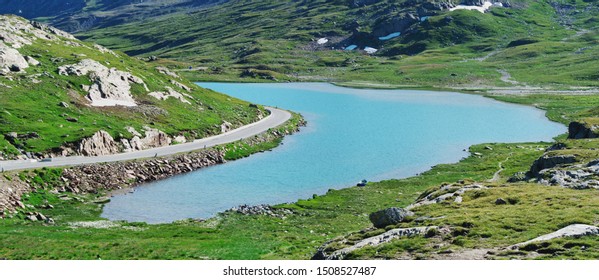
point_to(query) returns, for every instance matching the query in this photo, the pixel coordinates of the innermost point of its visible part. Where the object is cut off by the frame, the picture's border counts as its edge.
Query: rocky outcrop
(582, 130)
(166, 71)
(473, 2)
(389, 216)
(11, 60)
(226, 127)
(575, 231)
(180, 85)
(574, 177)
(262, 209)
(101, 143)
(399, 23)
(110, 87)
(550, 161)
(446, 192)
(323, 254)
(154, 138)
(161, 95)
(102, 49)
(18, 32)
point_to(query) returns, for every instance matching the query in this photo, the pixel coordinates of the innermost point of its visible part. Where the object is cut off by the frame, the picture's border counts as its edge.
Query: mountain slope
(269, 39)
(79, 15)
(58, 96)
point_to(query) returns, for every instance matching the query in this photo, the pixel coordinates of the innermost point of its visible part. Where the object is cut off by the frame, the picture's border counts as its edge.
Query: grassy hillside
(244, 40)
(53, 109)
(477, 224)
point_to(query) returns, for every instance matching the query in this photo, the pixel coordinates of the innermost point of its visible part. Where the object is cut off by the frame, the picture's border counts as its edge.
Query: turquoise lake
(352, 134)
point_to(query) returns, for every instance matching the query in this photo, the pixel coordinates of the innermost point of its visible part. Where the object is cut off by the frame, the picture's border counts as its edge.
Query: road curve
(277, 117)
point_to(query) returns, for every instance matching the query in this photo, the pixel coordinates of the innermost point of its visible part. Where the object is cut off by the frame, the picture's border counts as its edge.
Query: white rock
(32, 61)
(110, 87)
(161, 95)
(133, 131)
(101, 143)
(575, 230)
(225, 127)
(180, 139)
(166, 71)
(10, 57)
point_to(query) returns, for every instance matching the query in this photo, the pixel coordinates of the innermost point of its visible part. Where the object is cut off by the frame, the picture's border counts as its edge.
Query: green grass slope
(30, 101)
(545, 42)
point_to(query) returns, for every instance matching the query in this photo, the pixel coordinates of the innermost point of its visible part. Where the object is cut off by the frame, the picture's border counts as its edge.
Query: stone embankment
(95, 178)
(118, 175)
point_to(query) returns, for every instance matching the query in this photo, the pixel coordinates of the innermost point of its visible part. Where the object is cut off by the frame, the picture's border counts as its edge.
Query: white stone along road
(277, 117)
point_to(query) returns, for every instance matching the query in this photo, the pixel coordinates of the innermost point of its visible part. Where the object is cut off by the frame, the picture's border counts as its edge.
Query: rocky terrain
(78, 15)
(101, 178)
(563, 165)
(97, 101)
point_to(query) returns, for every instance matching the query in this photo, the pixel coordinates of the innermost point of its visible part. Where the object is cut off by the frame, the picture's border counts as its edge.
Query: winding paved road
(276, 118)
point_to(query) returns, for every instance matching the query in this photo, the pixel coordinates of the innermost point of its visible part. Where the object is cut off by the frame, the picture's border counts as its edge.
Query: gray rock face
(18, 32)
(450, 192)
(548, 161)
(390, 216)
(11, 59)
(168, 94)
(99, 144)
(166, 71)
(321, 254)
(579, 130)
(473, 2)
(110, 87)
(396, 24)
(576, 231)
(262, 209)
(576, 177)
(225, 127)
(153, 138)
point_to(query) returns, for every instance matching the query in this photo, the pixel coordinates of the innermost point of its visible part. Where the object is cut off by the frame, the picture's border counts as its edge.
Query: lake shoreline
(120, 177)
(277, 189)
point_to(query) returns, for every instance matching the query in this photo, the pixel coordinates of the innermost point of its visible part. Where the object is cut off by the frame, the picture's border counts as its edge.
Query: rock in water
(389, 216)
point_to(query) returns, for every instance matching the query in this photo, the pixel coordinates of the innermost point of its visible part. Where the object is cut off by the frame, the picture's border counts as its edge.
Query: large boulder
(550, 161)
(573, 231)
(110, 87)
(389, 216)
(101, 143)
(582, 130)
(153, 138)
(11, 59)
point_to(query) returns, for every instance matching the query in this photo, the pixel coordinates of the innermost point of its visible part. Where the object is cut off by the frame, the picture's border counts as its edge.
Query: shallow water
(351, 135)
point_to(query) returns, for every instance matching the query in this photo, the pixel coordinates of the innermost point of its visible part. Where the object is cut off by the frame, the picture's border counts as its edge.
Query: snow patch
(485, 7)
(322, 41)
(370, 50)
